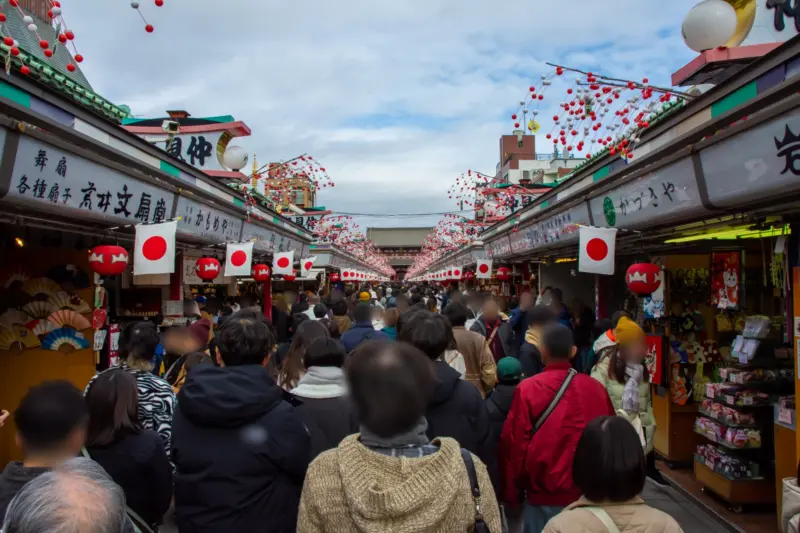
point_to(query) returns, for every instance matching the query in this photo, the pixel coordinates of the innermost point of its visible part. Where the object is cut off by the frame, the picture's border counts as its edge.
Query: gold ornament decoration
(745, 17)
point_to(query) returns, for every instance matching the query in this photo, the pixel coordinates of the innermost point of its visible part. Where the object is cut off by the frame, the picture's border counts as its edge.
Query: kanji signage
(64, 182)
(558, 229)
(758, 163)
(206, 222)
(201, 150)
(500, 247)
(667, 194)
(269, 241)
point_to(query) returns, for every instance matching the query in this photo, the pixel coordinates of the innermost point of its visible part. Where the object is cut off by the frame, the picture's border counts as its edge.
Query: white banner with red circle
(484, 269)
(282, 263)
(239, 259)
(154, 248)
(596, 250)
(306, 264)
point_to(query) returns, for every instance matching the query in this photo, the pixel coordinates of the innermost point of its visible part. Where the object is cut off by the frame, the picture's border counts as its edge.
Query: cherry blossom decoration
(342, 232)
(449, 234)
(135, 4)
(490, 198)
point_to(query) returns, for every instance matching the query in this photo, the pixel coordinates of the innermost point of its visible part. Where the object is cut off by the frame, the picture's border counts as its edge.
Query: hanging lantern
(290, 277)
(207, 269)
(643, 279)
(504, 274)
(334, 277)
(108, 260)
(469, 275)
(261, 273)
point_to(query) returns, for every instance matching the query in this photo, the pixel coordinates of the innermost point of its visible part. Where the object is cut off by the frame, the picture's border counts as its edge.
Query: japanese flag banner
(239, 259)
(282, 263)
(596, 250)
(456, 273)
(306, 264)
(484, 269)
(155, 248)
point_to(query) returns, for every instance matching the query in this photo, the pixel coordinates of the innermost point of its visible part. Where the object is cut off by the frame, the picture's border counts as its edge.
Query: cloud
(395, 99)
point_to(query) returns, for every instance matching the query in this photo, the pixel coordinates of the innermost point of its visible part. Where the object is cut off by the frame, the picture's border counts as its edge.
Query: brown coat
(352, 489)
(630, 517)
(481, 368)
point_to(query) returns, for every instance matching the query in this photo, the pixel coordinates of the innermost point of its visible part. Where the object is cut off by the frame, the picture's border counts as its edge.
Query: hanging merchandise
(154, 250)
(282, 263)
(643, 278)
(655, 358)
(306, 265)
(113, 344)
(207, 269)
(334, 277)
(654, 304)
(596, 250)
(504, 274)
(484, 270)
(726, 274)
(239, 259)
(108, 260)
(261, 273)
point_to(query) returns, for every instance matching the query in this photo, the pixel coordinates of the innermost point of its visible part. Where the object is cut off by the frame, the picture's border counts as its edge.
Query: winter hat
(364, 296)
(201, 331)
(628, 332)
(509, 369)
(389, 290)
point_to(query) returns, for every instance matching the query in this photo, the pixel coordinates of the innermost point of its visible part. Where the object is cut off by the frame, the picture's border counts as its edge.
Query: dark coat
(457, 411)
(531, 360)
(329, 420)
(139, 464)
(506, 334)
(241, 453)
(498, 404)
(360, 333)
(13, 478)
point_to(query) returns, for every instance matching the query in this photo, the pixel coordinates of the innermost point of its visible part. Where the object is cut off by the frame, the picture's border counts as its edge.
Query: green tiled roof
(53, 72)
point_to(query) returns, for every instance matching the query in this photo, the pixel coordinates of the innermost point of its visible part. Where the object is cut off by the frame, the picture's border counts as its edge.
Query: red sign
(655, 358)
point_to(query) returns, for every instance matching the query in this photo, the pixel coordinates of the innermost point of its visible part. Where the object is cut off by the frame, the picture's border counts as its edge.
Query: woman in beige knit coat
(610, 470)
(390, 477)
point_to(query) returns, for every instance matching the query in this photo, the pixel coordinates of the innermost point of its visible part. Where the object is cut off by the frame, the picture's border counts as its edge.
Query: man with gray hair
(76, 497)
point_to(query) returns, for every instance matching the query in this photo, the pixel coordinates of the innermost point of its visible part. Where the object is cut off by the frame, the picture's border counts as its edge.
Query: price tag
(730, 399)
(709, 390)
(710, 463)
(785, 415)
(747, 400)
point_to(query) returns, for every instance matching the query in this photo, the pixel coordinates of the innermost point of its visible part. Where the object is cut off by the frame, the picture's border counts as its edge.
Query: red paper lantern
(261, 272)
(469, 275)
(334, 277)
(504, 274)
(290, 277)
(207, 268)
(108, 260)
(643, 279)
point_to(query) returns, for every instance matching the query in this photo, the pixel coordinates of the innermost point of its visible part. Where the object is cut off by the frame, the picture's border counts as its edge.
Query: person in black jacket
(498, 404)
(529, 355)
(456, 409)
(51, 428)
(133, 457)
(326, 408)
(240, 450)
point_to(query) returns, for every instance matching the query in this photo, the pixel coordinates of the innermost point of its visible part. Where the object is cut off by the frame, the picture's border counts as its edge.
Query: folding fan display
(17, 276)
(40, 327)
(70, 319)
(12, 317)
(17, 336)
(64, 300)
(39, 309)
(64, 336)
(38, 286)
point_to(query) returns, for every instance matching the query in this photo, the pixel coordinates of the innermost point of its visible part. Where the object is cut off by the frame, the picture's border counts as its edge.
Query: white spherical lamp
(235, 158)
(709, 24)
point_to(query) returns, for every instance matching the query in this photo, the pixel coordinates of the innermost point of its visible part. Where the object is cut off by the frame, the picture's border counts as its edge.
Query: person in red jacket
(537, 465)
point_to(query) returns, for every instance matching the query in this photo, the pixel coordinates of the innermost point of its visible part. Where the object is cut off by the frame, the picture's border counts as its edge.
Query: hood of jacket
(791, 504)
(447, 379)
(392, 493)
(321, 382)
(229, 396)
(603, 341)
(502, 396)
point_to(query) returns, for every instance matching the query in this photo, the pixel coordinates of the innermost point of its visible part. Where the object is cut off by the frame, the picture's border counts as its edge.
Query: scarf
(413, 438)
(321, 382)
(630, 395)
(533, 336)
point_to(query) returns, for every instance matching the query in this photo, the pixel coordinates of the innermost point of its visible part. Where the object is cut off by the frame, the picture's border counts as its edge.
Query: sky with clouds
(395, 99)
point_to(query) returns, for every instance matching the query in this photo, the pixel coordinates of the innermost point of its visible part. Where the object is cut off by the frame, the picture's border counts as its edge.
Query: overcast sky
(395, 99)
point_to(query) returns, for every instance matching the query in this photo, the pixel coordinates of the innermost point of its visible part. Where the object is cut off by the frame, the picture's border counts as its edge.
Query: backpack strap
(602, 515)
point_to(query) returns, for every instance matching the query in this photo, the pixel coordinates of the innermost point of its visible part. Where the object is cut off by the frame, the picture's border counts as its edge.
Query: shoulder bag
(602, 515)
(480, 525)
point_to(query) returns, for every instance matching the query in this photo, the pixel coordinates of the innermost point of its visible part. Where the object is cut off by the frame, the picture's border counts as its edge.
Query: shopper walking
(325, 406)
(609, 469)
(496, 330)
(241, 451)
(392, 477)
(478, 359)
(363, 330)
(547, 417)
(134, 457)
(293, 368)
(390, 323)
(530, 355)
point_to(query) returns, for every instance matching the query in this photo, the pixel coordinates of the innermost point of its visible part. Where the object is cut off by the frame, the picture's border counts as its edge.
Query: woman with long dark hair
(292, 368)
(134, 457)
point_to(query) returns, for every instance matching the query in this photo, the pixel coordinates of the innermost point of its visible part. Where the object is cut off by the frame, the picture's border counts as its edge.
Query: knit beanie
(364, 296)
(628, 332)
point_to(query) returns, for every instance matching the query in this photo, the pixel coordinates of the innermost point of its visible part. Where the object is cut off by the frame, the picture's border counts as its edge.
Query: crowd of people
(393, 408)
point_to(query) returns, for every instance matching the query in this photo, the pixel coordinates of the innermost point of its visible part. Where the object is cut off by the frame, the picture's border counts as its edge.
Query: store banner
(207, 223)
(282, 263)
(484, 270)
(596, 249)
(306, 264)
(239, 259)
(655, 358)
(154, 248)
